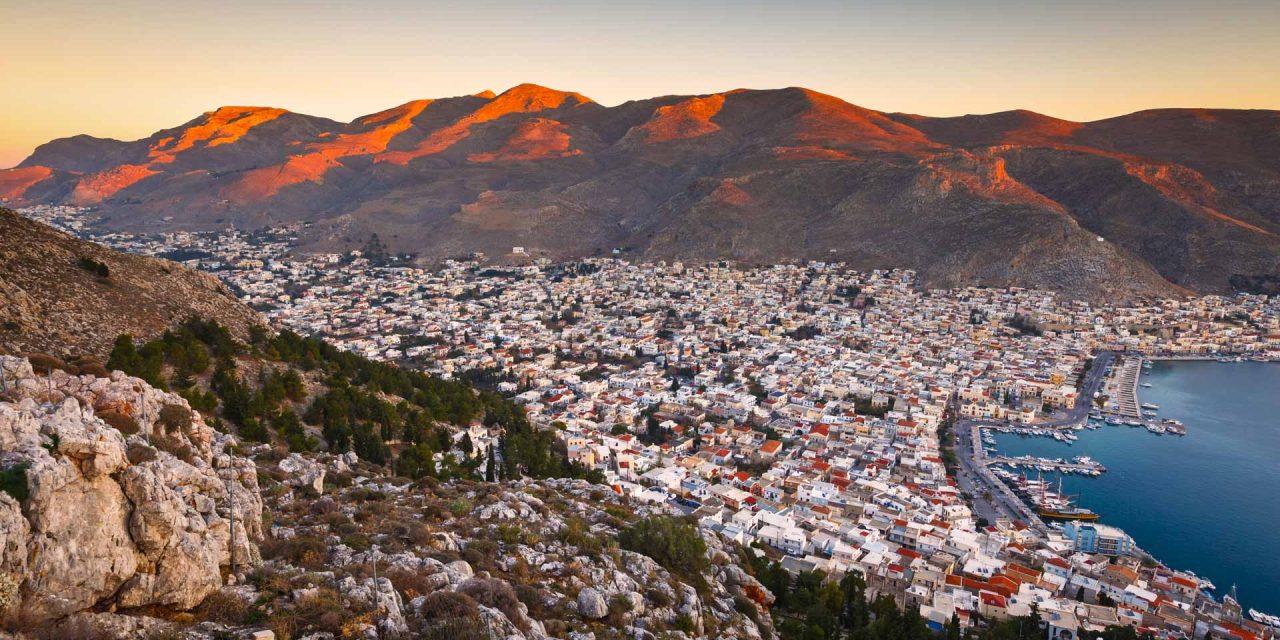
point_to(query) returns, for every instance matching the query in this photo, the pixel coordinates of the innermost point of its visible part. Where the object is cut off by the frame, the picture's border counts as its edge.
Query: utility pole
(377, 593)
(231, 507)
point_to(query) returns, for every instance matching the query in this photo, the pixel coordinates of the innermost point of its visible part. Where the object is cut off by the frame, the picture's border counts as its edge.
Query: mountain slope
(62, 295)
(1184, 198)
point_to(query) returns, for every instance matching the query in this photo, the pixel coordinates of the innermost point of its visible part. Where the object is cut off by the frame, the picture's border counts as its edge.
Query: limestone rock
(591, 604)
(303, 472)
(112, 518)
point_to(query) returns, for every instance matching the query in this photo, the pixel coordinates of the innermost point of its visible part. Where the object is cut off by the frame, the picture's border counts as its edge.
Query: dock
(1085, 468)
(1123, 389)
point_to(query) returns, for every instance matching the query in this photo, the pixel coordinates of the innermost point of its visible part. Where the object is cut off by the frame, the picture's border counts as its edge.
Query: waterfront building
(1091, 537)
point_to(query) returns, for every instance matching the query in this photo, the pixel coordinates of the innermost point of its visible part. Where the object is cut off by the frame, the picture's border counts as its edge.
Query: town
(830, 416)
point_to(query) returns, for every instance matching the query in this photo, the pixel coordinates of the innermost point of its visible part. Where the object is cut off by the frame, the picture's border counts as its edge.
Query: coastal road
(978, 481)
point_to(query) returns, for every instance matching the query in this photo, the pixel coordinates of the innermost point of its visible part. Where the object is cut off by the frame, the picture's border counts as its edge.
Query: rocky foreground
(115, 522)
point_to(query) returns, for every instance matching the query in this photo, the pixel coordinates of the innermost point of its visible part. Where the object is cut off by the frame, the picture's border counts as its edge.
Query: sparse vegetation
(96, 268)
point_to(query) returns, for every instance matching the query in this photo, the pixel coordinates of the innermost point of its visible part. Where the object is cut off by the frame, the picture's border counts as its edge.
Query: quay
(1122, 389)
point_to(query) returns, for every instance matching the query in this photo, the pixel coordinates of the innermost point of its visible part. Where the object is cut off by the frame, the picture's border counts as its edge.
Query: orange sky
(127, 68)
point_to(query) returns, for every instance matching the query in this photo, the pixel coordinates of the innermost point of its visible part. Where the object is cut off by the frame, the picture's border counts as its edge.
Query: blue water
(1209, 501)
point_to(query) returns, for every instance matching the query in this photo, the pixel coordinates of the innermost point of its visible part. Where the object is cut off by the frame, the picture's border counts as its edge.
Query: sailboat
(1059, 507)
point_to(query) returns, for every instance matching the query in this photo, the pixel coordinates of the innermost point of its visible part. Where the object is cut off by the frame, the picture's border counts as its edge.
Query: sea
(1209, 501)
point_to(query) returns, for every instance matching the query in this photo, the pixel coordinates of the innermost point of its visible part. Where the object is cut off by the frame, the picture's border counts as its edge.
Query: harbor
(1202, 502)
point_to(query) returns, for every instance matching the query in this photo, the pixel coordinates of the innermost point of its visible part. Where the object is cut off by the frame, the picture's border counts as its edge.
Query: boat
(1148, 405)
(1264, 618)
(1070, 513)
(1146, 385)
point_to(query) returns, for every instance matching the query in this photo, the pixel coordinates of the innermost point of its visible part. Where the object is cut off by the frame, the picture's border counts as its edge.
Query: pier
(1084, 468)
(1123, 389)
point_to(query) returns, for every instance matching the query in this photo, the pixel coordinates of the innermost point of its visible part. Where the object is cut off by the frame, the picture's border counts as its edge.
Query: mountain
(1182, 199)
(62, 295)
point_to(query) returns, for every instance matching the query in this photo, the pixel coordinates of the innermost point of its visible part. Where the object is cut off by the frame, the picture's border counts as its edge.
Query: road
(978, 481)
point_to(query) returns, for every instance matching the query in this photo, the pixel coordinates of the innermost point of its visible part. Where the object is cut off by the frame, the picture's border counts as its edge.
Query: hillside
(61, 295)
(1184, 199)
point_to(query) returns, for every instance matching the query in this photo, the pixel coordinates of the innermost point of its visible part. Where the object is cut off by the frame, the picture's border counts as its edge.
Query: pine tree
(953, 627)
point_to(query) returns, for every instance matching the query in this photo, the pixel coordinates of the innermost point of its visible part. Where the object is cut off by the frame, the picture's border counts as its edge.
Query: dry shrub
(275, 454)
(175, 418)
(121, 422)
(449, 615)
(174, 445)
(140, 452)
(534, 598)
(304, 551)
(480, 554)
(283, 623)
(225, 607)
(420, 535)
(409, 582)
(270, 581)
(496, 594)
(91, 366)
(324, 610)
(43, 363)
(325, 505)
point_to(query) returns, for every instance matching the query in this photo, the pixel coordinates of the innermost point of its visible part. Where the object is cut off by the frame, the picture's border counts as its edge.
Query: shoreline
(1140, 550)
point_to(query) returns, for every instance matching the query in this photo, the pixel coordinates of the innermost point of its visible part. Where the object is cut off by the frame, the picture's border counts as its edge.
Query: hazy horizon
(128, 70)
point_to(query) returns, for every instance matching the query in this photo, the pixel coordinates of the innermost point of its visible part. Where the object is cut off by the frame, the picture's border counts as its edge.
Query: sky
(127, 68)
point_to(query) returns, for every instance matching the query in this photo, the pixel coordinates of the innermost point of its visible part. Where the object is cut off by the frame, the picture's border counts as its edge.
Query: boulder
(591, 604)
(303, 472)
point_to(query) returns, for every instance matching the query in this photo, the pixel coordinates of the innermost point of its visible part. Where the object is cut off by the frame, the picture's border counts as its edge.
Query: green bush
(672, 542)
(13, 481)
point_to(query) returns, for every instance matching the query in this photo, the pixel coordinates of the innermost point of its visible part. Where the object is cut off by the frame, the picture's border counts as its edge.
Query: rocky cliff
(115, 496)
(1182, 198)
(62, 295)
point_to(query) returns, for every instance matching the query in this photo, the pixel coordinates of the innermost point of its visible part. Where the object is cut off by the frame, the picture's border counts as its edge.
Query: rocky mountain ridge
(1152, 203)
(62, 295)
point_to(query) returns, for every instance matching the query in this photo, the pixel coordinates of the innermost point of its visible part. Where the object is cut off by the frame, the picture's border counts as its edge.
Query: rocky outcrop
(539, 559)
(303, 472)
(128, 514)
